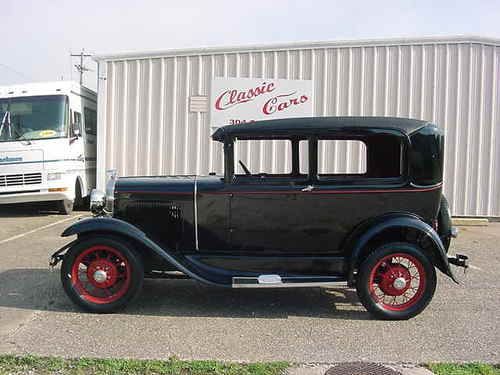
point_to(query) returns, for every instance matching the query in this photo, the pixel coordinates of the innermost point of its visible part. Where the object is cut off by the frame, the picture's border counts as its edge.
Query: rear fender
(361, 240)
(123, 229)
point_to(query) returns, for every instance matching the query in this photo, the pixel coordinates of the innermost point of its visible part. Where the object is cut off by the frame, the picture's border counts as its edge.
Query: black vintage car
(382, 225)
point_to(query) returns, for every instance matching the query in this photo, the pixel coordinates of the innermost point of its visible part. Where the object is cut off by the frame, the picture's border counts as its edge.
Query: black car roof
(317, 125)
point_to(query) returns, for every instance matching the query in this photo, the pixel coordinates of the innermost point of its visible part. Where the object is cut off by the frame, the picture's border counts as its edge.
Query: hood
(165, 185)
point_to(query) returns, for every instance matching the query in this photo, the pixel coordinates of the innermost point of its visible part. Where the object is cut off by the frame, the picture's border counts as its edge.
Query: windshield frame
(65, 114)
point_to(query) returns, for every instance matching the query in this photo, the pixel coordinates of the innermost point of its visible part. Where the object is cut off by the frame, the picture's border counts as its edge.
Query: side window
(90, 121)
(385, 156)
(268, 156)
(304, 157)
(341, 158)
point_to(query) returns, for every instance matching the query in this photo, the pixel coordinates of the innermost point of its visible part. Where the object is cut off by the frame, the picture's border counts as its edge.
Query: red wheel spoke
(101, 274)
(397, 281)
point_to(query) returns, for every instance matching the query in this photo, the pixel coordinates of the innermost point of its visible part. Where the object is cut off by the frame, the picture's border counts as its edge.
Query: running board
(276, 281)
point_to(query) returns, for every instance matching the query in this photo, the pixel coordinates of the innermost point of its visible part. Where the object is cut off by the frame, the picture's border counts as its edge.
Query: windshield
(33, 117)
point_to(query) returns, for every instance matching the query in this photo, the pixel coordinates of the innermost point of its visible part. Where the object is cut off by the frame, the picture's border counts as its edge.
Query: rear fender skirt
(124, 229)
(401, 221)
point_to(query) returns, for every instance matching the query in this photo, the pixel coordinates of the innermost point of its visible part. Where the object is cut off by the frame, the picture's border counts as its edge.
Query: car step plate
(277, 281)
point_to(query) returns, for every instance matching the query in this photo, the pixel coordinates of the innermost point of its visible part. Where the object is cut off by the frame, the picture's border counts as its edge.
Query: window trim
(359, 179)
(341, 176)
(312, 176)
(293, 177)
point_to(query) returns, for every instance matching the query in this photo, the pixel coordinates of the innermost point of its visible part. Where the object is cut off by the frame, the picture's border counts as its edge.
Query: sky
(37, 36)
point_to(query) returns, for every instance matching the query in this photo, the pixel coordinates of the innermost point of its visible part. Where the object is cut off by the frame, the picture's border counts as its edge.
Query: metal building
(154, 107)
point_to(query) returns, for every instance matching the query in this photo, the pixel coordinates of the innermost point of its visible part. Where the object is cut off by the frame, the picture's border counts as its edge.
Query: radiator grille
(20, 179)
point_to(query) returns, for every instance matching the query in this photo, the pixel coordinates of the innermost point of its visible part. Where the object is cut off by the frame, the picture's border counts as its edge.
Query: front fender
(396, 222)
(103, 224)
(122, 228)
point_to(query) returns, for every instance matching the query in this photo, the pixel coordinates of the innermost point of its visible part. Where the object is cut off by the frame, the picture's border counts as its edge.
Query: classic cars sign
(239, 100)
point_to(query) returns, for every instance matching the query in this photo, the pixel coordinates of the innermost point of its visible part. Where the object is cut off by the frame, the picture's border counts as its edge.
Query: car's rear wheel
(101, 274)
(396, 281)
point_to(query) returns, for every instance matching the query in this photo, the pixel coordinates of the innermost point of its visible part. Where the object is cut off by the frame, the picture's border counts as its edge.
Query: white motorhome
(47, 143)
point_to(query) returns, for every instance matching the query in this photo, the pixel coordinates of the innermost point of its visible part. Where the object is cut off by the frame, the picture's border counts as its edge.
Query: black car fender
(358, 242)
(108, 225)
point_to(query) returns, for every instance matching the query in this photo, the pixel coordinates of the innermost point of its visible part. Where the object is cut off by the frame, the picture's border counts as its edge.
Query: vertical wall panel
(146, 128)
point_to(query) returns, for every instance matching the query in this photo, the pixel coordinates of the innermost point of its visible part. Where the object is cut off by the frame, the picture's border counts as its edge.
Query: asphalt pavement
(191, 321)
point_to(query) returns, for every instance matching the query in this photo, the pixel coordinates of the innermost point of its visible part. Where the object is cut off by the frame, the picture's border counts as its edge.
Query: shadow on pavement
(31, 209)
(27, 209)
(40, 289)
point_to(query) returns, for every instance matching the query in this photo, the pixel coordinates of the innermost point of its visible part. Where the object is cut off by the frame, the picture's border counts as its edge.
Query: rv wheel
(65, 207)
(78, 203)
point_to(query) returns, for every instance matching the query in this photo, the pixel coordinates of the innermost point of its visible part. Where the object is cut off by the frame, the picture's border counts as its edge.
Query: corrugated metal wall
(146, 128)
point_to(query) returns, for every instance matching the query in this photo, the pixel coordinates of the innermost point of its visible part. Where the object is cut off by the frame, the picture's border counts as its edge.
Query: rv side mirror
(75, 128)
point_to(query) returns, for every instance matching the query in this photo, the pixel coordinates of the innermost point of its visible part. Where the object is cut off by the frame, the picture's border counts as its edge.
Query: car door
(266, 212)
(335, 202)
(265, 217)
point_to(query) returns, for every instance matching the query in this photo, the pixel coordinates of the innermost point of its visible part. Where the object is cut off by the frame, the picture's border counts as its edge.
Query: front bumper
(35, 196)
(59, 254)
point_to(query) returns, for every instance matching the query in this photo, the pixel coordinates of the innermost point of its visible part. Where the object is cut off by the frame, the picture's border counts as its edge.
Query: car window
(376, 157)
(304, 157)
(341, 157)
(268, 156)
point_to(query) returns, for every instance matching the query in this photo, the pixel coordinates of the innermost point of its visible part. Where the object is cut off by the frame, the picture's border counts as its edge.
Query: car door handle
(308, 188)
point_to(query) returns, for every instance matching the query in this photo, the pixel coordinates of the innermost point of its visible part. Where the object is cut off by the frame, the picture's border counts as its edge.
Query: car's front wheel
(101, 274)
(396, 281)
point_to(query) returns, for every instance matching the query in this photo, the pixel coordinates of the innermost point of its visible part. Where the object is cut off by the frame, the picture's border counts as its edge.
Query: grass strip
(85, 366)
(464, 369)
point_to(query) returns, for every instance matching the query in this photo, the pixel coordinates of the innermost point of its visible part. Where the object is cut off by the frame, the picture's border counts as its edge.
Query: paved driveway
(188, 320)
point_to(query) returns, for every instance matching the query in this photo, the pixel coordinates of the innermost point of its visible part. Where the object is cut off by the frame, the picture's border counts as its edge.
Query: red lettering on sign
(277, 103)
(230, 98)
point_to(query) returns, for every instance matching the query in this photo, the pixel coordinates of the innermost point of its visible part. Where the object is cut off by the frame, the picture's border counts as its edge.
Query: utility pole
(81, 67)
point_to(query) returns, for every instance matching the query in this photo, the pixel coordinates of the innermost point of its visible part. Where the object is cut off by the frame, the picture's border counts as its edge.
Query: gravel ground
(191, 321)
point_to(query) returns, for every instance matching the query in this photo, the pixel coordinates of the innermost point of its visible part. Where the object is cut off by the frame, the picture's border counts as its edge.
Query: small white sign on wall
(240, 100)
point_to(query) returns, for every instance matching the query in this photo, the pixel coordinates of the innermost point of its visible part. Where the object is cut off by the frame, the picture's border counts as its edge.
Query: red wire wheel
(101, 274)
(397, 282)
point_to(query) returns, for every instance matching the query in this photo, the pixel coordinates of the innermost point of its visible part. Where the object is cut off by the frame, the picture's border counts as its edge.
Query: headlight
(97, 202)
(101, 202)
(54, 176)
(111, 177)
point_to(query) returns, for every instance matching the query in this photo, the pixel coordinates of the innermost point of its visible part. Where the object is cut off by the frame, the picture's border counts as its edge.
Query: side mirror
(75, 129)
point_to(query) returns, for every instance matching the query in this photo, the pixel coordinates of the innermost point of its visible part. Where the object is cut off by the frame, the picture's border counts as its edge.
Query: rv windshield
(33, 117)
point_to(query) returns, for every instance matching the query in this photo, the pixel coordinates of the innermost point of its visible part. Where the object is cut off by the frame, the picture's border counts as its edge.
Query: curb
(320, 369)
(469, 221)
